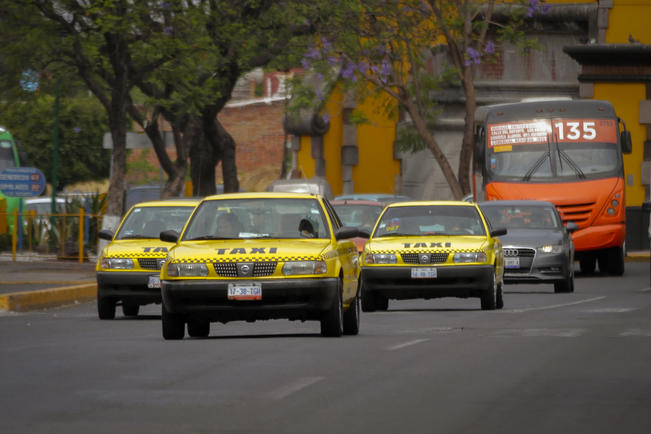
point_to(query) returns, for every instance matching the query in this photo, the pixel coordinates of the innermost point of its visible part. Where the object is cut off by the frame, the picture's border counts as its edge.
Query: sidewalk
(32, 283)
(40, 282)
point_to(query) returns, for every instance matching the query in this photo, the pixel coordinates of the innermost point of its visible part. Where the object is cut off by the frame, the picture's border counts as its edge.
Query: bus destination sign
(22, 182)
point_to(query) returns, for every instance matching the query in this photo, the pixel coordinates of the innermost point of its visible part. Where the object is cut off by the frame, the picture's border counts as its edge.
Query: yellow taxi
(128, 268)
(258, 256)
(430, 250)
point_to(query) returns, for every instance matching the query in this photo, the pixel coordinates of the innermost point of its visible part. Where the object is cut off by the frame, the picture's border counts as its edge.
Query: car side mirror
(105, 234)
(571, 227)
(497, 232)
(346, 232)
(170, 236)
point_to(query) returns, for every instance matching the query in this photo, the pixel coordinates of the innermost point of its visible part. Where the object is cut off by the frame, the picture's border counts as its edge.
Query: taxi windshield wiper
(395, 234)
(135, 237)
(211, 237)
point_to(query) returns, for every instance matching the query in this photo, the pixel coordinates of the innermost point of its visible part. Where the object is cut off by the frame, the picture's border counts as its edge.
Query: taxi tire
(173, 325)
(105, 308)
(130, 309)
(332, 320)
(351, 317)
(198, 329)
(488, 297)
(499, 299)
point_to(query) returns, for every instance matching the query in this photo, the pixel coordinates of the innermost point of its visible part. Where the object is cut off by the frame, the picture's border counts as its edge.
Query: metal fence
(64, 235)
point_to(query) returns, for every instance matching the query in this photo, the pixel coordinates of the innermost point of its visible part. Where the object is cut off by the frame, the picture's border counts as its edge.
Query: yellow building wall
(629, 17)
(625, 97)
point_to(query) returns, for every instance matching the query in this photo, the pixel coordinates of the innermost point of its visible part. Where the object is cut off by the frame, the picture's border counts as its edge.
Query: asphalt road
(547, 363)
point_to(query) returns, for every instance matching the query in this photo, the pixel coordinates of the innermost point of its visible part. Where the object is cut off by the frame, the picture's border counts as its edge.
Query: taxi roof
(430, 203)
(262, 195)
(188, 201)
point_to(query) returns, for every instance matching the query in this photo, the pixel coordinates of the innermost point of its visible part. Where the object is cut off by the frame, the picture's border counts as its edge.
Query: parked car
(128, 268)
(258, 256)
(430, 250)
(537, 247)
(362, 214)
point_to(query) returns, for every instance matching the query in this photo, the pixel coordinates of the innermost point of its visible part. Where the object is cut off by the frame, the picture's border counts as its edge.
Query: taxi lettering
(424, 245)
(154, 249)
(242, 251)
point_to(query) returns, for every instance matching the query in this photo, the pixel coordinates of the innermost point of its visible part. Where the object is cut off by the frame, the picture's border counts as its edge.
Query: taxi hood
(451, 243)
(250, 250)
(150, 248)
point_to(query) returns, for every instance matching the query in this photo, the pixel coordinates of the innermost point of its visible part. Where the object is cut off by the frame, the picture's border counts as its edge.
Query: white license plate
(511, 262)
(250, 291)
(154, 282)
(423, 273)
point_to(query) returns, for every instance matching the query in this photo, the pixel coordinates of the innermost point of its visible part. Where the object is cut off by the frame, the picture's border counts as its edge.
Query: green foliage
(82, 124)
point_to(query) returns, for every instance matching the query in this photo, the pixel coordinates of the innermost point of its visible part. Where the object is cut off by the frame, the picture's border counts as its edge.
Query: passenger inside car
(228, 226)
(306, 229)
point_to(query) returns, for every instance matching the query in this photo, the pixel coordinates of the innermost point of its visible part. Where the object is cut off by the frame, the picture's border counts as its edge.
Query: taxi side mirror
(497, 232)
(346, 232)
(169, 236)
(571, 227)
(105, 234)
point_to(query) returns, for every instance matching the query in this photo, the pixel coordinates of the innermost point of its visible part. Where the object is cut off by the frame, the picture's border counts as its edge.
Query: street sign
(22, 182)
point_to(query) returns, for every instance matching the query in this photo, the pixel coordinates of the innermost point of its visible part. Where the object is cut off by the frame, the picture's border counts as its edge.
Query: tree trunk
(229, 166)
(467, 144)
(203, 159)
(426, 135)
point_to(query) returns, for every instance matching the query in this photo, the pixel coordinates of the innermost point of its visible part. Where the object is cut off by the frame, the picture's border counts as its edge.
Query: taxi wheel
(198, 329)
(489, 296)
(173, 325)
(499, 299)
(332, 319)
(105, 308)
(351, 317)
(130, 309)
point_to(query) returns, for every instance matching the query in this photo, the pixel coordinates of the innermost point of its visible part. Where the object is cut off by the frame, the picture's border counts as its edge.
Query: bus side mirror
(626, 143)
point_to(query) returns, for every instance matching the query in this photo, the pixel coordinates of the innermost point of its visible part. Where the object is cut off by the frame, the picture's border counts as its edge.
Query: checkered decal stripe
(438, 251)
(139, 255)
(247, 259)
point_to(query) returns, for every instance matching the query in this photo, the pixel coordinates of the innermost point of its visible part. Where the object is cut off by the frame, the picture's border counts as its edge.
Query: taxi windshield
(429, 220)
(257, 218)
(150, 221)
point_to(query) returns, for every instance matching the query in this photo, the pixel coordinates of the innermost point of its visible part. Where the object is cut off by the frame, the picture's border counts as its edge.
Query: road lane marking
(405, 344)
(295, 386)
(554, 306)
(612, 310)
(541, 332)
(636, 332)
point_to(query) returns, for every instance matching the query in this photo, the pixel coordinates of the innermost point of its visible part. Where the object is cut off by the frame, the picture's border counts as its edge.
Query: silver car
(537, 247)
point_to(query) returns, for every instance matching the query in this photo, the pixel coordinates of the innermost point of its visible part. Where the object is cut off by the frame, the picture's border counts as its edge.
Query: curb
(637, 257)
(45, 298)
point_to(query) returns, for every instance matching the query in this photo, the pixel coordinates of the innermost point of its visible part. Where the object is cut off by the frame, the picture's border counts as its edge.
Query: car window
(257, 218)
(363, 216)
(522, 216)
(150, 221)
(430, 220)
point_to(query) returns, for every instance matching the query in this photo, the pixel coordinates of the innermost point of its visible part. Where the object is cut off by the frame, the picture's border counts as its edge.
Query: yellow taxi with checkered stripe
(258, 256)
(128, 268)
(431, 250)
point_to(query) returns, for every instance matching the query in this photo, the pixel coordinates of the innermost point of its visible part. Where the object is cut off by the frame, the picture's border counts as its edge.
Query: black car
(537, 247)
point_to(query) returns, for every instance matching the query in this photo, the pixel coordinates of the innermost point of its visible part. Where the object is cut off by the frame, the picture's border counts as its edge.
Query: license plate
(423, 273)
(249, 291)
(511, 262)
(154, 282)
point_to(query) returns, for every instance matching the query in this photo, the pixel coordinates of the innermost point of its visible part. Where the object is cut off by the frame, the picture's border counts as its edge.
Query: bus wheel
(588, 264)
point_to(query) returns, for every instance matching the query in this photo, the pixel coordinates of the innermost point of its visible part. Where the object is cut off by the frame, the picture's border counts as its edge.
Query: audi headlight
(463, 257)
(293, 268)
(117, 263)
(187, 270)
(551, 248)
(381, 258)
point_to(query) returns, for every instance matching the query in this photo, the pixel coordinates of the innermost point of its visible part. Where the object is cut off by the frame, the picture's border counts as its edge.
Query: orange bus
(568, 152)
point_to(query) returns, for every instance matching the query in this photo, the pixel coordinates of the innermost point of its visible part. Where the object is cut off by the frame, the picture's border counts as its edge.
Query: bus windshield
(547, 149)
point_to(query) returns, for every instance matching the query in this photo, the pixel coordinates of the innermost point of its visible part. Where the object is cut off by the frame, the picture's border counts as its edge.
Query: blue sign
(22, 182)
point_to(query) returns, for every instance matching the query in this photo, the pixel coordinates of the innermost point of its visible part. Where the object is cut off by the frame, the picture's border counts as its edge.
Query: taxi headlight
(117, 263)
(304, 267)
(187, 270)
(463, 257)
(551, 248)
(381, 258)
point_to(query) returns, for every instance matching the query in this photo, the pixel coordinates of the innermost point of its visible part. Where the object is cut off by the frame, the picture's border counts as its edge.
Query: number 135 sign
(585, 130)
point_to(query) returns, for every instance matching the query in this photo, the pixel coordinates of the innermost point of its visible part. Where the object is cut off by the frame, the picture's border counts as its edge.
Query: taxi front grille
(260, 269)
(150, 263)
(434, 258)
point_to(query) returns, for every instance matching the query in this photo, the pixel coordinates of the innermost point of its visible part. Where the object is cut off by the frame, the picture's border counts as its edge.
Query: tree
(385, 47)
